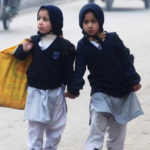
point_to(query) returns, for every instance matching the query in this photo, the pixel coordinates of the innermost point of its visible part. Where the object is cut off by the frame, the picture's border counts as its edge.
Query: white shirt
(96, 44)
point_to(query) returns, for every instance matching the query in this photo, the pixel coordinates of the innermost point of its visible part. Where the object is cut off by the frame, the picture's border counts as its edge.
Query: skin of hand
(67, 94)
(136, 87)
(27, 45)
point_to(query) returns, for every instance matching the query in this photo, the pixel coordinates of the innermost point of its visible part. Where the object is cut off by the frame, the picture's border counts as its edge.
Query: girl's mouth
(91, 31)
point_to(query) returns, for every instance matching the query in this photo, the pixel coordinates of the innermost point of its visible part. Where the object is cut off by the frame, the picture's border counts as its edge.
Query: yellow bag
(13, 79)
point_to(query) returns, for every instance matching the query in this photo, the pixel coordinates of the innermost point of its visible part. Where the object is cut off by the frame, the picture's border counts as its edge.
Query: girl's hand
(136, 87)
(67, 94)
(27, 45)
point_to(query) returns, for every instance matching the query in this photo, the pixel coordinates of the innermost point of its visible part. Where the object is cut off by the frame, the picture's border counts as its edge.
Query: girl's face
(90, 24)
(43, 22)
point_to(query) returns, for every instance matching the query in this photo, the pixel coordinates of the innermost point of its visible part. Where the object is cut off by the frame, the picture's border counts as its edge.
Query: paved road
(132, 22)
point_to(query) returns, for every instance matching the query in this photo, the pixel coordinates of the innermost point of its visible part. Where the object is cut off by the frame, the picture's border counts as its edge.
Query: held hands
(136, 87)
(67, 94)
(27, 45)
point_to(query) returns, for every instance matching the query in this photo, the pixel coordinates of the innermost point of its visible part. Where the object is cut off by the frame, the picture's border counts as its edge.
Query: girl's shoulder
(35, 38)
(83, 42)
(111, 34)
(67, 44)
(112, 38)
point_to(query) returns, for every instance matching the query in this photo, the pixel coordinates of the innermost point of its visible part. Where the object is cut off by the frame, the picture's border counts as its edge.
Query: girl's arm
(68, 61)
(23, 50)
(80, 67)
(127, 61)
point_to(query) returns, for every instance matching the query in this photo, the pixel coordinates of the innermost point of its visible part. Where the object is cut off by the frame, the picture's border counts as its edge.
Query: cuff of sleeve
(73, 91)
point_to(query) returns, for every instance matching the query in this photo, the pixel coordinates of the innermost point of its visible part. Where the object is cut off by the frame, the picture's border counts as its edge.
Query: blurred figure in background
(91, 1)
(12, 6)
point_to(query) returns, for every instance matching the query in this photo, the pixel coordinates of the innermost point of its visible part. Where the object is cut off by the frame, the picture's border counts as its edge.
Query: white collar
(46, 41)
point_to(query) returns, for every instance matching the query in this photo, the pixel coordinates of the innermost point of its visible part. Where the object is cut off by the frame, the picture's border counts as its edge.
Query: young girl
(50, 70)
(112, 77)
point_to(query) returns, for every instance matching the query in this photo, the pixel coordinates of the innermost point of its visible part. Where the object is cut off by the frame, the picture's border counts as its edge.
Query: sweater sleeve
(127, 61)
(20, 54)
(80, 67)
(68, 63)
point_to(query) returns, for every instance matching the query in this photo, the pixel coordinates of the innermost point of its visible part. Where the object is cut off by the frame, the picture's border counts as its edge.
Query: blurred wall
(25, 3)
(30, 3)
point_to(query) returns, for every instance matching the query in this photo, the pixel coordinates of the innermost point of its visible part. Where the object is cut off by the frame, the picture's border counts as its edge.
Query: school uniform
(45, 110)
(51, 69)
(113, 102)
(111, 76)
(112, 114)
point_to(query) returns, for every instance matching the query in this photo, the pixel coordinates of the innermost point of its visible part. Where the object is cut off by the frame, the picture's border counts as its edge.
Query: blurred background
(129, 18)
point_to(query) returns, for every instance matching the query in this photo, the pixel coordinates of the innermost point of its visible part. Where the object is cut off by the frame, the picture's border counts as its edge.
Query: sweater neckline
(50, 46)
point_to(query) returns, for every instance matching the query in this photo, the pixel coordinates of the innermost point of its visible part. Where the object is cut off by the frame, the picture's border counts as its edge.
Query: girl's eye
(46, 19)
(85, 21)
(94, 21)
(89, 21)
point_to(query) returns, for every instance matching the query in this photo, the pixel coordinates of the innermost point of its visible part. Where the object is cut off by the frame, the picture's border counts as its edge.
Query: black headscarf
(56, 18)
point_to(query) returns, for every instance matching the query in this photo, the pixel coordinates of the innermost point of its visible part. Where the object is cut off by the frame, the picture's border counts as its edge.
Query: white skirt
(45, 106)
(122, 109)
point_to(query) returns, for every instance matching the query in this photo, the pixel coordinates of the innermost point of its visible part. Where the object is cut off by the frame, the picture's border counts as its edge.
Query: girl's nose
(40, 21)
(89, 24)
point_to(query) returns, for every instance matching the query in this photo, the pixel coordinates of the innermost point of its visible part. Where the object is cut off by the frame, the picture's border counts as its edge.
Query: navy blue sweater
(111, 69)
(52, 67)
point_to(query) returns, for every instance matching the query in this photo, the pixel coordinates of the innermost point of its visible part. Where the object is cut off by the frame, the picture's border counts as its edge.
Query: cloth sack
(13, 80)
